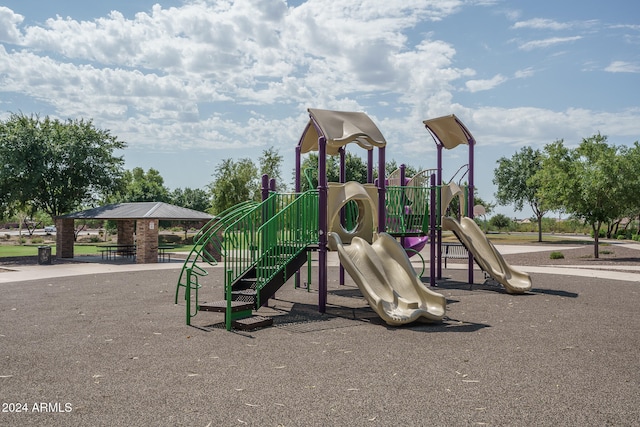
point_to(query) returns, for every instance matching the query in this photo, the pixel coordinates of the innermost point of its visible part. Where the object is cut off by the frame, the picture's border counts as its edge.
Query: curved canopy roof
(450, 131)
(340, 128)
(141, 210)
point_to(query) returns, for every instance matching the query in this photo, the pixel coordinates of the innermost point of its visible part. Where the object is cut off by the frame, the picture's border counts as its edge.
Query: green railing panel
(289, 232)
(207, 238)
(407, 209)
(268, 236)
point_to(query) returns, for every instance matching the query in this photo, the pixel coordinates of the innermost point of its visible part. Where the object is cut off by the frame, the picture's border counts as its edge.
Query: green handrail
(407, 210)
(208, 235)
(290, 232)
(268, 236)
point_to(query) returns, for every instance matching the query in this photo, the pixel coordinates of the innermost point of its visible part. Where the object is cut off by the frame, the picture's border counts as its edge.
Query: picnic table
(163, 255)
(111, 251)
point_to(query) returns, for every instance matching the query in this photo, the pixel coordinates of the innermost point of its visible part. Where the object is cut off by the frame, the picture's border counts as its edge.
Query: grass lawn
(32, 250)
(504, 238)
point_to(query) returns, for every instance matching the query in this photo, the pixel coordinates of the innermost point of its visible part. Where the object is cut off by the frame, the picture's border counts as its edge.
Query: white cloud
(151, 76)
(480, 85)
(522, 74)
(623, 67)
(9, 22)
(542, 24)
(544, 43)
(231, 75)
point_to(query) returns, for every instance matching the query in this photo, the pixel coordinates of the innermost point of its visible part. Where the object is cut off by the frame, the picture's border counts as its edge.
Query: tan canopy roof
(340, 128)
(449, 130)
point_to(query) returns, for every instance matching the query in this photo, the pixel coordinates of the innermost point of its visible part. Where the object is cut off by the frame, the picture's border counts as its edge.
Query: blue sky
(189, 83)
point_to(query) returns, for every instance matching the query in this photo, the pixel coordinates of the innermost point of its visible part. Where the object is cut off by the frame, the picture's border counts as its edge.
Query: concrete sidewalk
(97, 265)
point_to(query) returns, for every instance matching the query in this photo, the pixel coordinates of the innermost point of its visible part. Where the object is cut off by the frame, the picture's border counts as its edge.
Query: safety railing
(207, 245)
(287, 234)
(407, 210)
(250, 239)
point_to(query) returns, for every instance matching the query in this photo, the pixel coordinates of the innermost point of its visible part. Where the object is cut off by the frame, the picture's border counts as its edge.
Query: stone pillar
(147, 241)
(64, 237)
(126, 228)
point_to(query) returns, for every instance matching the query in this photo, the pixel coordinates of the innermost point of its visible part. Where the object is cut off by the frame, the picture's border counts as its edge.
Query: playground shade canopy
(140, 210)
(449, 130)
(340, 128)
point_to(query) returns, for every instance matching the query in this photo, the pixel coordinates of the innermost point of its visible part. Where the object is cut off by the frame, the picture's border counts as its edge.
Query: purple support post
(382, 213)
(265, 187)
(322, 224)
(470, 204)
(432, 232)
(343, 179)
(403, 168)
(369, 166)
(439, 212)
(298, 186)
(272, 185)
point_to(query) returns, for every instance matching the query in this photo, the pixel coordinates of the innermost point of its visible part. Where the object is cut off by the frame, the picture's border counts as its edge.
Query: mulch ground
(113, 349)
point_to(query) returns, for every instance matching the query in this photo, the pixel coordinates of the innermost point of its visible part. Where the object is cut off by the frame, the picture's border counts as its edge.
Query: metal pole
(369, 166)
(432, 232)
(470, 198)
(382, 214)
(322, 224)
(343, 179)
(439, 212)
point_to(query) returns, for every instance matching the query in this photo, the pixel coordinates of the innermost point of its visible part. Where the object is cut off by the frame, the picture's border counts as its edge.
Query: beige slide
(476, 242)
(486, 255)
(388, 281)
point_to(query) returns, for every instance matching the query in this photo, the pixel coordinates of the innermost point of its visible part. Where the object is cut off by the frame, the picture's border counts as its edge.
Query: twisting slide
(388, 281)
(483, 251)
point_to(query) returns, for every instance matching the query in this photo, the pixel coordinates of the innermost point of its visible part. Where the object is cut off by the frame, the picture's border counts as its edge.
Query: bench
(454, 251)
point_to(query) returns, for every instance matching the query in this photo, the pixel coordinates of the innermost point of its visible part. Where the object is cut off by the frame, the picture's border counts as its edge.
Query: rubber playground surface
(103, 344)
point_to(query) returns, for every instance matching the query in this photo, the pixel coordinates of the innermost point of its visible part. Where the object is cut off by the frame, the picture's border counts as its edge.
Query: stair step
(221, 306)
(253, 322)
(245, 295)
(245, 292)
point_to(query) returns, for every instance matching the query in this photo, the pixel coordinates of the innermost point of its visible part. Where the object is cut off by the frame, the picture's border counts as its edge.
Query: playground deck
(110, 346)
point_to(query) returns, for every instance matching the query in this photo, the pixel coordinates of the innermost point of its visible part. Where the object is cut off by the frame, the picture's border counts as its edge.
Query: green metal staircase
(206, 249)
(262, 248)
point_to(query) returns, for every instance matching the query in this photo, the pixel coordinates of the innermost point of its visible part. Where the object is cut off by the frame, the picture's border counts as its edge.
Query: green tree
(409, 171)
(499, 221)
(270, 163)
(514, 178)
(355, 167)
(55, 166)
(234, 182)
(196, 199)
(585, 182)
(141, 186)
(629, 167)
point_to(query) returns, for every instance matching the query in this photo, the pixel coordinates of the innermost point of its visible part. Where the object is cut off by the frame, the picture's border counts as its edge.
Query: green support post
(227, 290)
(187, 296)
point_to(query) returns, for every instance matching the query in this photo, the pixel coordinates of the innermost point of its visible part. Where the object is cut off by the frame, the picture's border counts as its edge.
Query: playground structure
(262, 245)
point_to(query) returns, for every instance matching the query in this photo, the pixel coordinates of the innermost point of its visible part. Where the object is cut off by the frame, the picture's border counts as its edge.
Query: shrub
(37, 240)
(168, 238)
(556, 255)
